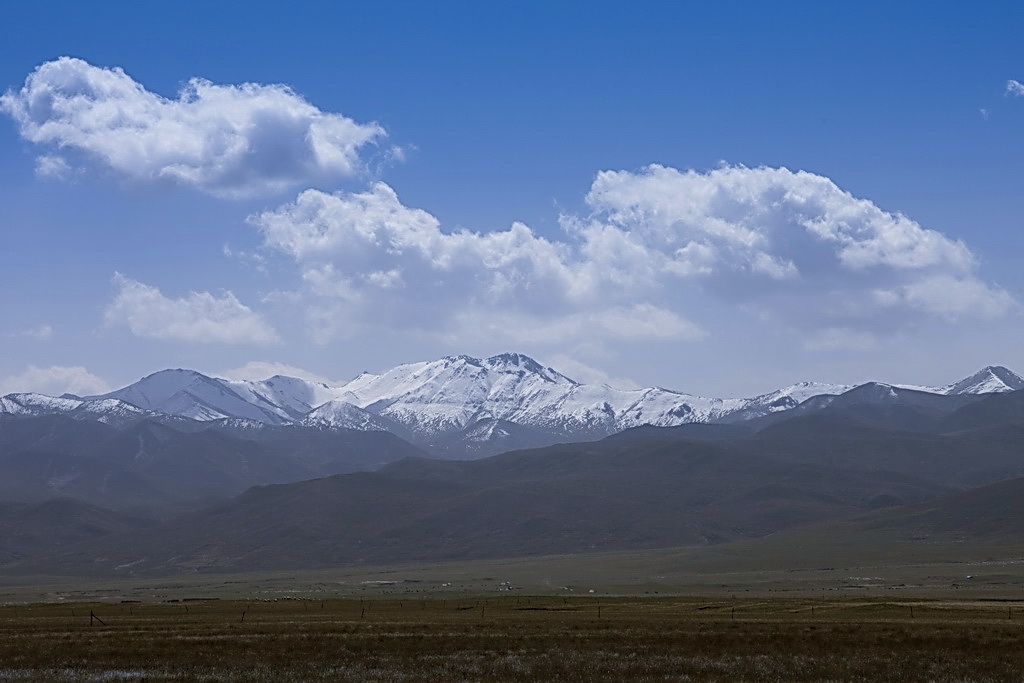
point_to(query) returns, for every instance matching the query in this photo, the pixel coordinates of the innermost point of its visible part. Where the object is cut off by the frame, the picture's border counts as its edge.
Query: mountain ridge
(283, 497)
(640, 489)
(459, 406)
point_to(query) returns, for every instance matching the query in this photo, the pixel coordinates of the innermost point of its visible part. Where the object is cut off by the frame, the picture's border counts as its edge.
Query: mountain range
(464, 458)
(644, 488)
(457, 406)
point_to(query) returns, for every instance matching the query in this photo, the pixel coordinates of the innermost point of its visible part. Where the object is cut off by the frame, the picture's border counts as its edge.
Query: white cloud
(226, 140)
(55, 381)
(1015, 88)
(574, 368)
(40, 333)
(763, 221)
(948, 297)
(618, 323)
(259, 370)
(791, 248)
(52, 166)
(198, 317)
(367, 260)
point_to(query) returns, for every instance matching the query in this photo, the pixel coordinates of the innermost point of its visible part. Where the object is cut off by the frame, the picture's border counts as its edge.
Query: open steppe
(745, 612)
(516, 637)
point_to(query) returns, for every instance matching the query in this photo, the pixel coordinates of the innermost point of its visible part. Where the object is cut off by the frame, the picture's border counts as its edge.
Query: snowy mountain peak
(990, 379)
(513, 360)
(343, 415)
(153, 390)
(448, 394)
(504, 397)
(187, 393)
(287, 381)
(521, 364)
(30, 404)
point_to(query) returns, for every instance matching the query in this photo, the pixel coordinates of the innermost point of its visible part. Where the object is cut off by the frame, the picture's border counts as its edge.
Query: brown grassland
(516, 638)
(802, 608)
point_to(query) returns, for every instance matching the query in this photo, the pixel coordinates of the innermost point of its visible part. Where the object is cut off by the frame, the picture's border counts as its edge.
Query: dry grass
(515, 639)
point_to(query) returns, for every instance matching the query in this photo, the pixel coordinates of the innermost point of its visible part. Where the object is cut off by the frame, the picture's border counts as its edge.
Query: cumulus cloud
(226, 140)
(1015, 88)
(791, 248)
(55, 381)
(366, 259)
(625, 323)
(198, 317)
(52, 166)
(794, 247)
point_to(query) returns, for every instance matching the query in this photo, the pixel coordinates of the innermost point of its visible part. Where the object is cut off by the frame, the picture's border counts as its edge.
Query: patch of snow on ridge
(344, 415)
(109, 411)
(802, 391)
(31, 404)
(289, 397)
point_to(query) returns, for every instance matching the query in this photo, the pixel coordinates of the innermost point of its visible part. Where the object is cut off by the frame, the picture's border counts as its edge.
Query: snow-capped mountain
(993, 379)
(187, 393)
(500, 398)
(990, 380)
(109, 411)
(456, 392)
(28, 404)
(344, 415)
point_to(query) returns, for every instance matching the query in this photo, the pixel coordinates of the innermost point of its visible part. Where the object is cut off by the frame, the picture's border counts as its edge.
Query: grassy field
(515, 638)
(812, 608)
(805, 565)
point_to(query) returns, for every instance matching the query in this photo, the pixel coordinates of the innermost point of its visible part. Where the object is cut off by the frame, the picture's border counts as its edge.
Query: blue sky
(718, 198)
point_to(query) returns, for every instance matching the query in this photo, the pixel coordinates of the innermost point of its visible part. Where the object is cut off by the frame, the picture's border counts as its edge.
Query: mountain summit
(990, 380)
(456, 405)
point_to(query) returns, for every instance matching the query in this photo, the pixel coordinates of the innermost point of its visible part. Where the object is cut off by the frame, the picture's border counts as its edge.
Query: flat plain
(823, 603)
(516, 638)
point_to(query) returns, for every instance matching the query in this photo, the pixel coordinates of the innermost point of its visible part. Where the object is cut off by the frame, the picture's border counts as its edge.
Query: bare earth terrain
(726, 614)
(516, 638)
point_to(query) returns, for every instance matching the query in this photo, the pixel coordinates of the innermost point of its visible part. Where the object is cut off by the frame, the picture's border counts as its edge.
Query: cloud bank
(259, 370)
(226, 140)
(55, 381)
(199, 317)
(790, 248)
(369, 261)
(1015, 88)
